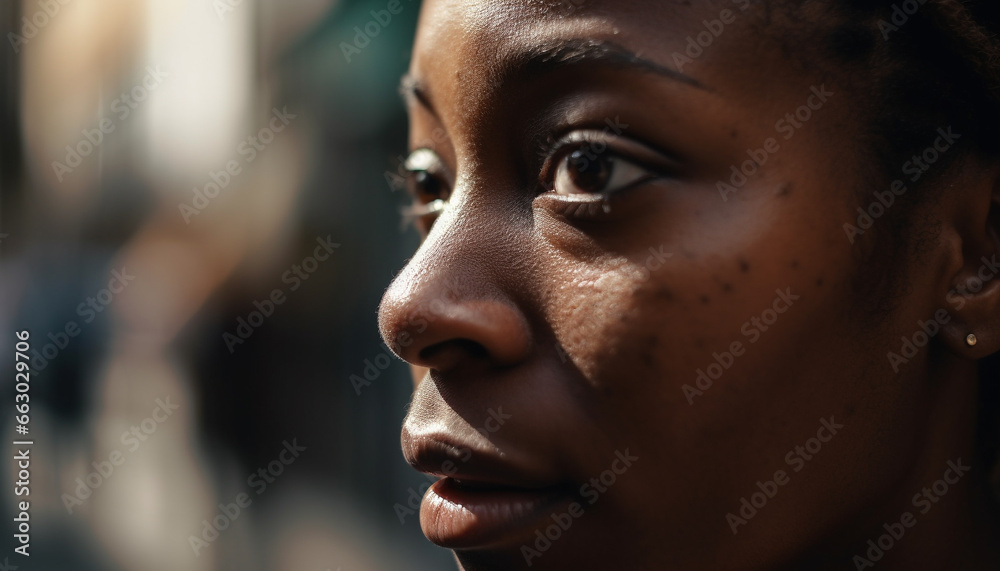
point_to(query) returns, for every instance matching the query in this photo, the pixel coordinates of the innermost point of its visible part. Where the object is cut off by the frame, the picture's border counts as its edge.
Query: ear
(973, 297)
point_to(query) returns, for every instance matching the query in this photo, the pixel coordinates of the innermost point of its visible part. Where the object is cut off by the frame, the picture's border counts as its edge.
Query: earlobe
(974, 330)
(974, 298)
(974, 295)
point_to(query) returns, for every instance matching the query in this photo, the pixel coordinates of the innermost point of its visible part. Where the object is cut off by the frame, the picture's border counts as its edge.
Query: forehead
(476, 40)
(520, 19)
(467, 51)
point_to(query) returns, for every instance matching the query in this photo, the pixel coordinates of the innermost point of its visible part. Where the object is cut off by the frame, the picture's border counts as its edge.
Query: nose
(445, 309)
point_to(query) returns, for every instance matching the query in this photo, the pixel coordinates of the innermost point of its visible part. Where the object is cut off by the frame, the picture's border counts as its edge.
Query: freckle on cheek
(705, 299)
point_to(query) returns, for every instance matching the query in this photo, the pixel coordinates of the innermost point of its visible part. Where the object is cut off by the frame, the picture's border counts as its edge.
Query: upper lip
(443, 455)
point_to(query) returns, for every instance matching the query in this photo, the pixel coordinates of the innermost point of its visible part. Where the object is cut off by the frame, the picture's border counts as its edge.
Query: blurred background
(199, 210)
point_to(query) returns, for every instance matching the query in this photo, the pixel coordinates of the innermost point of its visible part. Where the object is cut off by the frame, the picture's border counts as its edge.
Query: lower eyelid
(575, 211)
(426, 209)
(575, 206)
(597, 207)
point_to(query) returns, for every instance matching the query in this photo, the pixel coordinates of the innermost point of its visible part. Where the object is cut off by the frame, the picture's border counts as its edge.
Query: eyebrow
(556, 55)
(588, 52)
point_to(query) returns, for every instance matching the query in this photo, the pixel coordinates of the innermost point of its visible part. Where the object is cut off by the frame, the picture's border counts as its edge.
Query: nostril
(429, 329)
(492, 331)
(449, 353)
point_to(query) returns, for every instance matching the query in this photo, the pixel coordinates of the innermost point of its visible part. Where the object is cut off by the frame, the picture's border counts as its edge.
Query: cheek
(640, 330)
(691, 350)
(592, 308)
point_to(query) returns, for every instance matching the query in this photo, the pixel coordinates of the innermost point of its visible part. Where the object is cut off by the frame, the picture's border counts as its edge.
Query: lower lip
(460, 518)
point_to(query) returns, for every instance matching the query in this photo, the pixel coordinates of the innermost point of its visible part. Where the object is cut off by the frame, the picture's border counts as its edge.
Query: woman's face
(638, 307)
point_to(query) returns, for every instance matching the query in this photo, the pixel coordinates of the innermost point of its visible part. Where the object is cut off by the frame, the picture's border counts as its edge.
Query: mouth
(468, 514)
(481, 500)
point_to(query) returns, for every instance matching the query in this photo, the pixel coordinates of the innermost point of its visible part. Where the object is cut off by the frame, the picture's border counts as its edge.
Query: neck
(940, 515)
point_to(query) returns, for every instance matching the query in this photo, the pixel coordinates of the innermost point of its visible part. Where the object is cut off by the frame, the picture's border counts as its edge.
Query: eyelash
(549, 154)
(418, 212)
(546, 149)
(414, 214)
(635, 162)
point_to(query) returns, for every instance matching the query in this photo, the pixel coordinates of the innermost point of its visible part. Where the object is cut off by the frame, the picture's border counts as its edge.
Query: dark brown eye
(584, 171)
(428, 184)
(426, 176)
(589, 173)
(425, 187)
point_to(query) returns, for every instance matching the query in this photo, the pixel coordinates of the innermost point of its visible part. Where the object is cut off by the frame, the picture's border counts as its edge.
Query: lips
(481, 501)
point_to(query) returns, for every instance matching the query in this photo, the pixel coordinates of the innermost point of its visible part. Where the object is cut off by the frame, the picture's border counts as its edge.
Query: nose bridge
(452, 300)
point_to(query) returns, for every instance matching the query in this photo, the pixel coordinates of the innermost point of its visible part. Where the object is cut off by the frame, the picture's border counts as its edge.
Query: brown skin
(553, 319)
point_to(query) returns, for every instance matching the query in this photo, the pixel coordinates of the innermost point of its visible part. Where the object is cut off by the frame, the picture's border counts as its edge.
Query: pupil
(427, 184)
(588, 173)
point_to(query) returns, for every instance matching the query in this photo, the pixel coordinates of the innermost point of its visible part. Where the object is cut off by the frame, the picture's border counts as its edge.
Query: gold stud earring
(971, 340)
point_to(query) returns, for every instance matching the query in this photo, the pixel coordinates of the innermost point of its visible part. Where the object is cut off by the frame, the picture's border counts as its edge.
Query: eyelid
(421, 210)
(426, 160)
(624, 148)
(421, 159)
